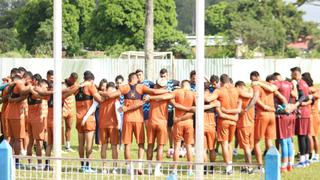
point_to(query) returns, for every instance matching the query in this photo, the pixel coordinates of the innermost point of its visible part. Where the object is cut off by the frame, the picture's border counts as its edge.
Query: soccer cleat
(228, 172)
(289, 168)
(284, 169)
(158, 173)
(83, 169)
(47, 168)
(250, 171)
(89, 170)
(114, 171)
(140, 172)
(189, 173)
(315, 160)
(20, 166)
(244, 170)
(235, 152)
(69, 149)
(39, 167)
(105, 171)
(300, 165)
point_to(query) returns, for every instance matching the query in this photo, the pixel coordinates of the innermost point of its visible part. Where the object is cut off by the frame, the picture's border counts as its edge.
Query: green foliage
(220, 52)
(121, 23)
(292, 53)
(8, 40)
(115, 50)
(267, 25)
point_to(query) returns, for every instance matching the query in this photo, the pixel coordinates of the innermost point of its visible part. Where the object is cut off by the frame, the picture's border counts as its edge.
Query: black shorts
(170, 119)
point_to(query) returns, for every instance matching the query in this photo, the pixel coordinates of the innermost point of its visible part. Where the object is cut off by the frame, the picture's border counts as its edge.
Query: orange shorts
(225, 130)
(90, 125)
(136, 128)
(246, 137)
(4, 125)
(183, 132)
(209, 139)
(16, 128)
(50, 135)
(158, 131)
(36, 131)
(265, 126)
(109, 135)
(315, 123)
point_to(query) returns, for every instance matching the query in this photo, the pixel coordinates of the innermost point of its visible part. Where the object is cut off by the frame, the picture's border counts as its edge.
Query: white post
(200, 9)
(57, 111)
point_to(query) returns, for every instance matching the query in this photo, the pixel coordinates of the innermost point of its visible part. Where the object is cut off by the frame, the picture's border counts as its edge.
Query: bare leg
(150, 151)
(160, 153)
(189, 154)
(89, 144)
(257, 151)
(176, 153)
(39, 149)
(127, 154)
(103, 153)
(225, 151)
(81, 142)
(114, 154)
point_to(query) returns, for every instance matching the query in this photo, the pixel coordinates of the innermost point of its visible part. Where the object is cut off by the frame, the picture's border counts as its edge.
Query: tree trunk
(148, 48)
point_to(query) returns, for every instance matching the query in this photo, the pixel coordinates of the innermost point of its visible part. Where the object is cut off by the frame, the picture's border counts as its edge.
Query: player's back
(185, 98)
(228, 97)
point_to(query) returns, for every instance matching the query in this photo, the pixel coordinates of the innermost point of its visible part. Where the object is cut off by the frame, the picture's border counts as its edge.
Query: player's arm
(133, 107)
(110, 95)
(147, 90)
(2, 86)
(162, 97)
(265, 86)
(179, 106)
(41, 91)
(256, 96)
(23, 89)
(265, 107)
(233, 111)
(280, 97)
(186, 116)
(246, 94)
(226, 116)
(18, 99)
(212, 97)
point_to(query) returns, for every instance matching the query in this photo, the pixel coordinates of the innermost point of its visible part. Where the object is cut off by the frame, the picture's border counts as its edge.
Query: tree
(267, 25)
(8, 40)
(149, 40)
(35, 27)
(122, 23)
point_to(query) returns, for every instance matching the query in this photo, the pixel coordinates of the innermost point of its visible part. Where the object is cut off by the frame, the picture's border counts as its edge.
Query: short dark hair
(28, 74)
(43, 81)
(254, 74)
(119, 77)
(224, 78)
(192, 73)
(163, 71)
(240, 83)
(50, 73)
(307, 78)
(37, 77)
(102, 82)
(14, 71)
(130, 76)
(111, 84)
(231, 80)
(22, 69)
(276, 74)
(139, 71)
(214, 78)
(88, 75)
(295, 69)
(74, 75)
(184, 81)
(270, 77)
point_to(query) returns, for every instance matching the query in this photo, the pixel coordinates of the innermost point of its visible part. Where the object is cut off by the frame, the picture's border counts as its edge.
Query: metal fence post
(272, 164)
(6, 161)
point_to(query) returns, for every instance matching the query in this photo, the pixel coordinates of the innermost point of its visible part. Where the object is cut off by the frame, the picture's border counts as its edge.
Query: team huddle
(161, 113)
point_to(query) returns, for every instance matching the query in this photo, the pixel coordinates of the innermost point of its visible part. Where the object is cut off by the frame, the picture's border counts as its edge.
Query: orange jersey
(185, 98)
(266, 97)
(228, 97)
(4, 103)
(158, 111)
(209, 117)
(84, 100)
(67, 105)
(107, 114)
(133, 97)
(246, 119)
(16, 110)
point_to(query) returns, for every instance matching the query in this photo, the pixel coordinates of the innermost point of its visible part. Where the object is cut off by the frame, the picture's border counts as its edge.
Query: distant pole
(148, 45)
(200, 9)
(57, 56)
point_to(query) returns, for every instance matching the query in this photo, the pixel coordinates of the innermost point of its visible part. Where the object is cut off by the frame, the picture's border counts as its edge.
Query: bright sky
(312, 12)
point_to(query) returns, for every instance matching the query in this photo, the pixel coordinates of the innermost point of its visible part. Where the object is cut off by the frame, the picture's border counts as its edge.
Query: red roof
(299, 45)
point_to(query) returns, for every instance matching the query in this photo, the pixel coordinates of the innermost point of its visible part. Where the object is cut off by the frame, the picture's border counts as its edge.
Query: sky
(312, 12)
